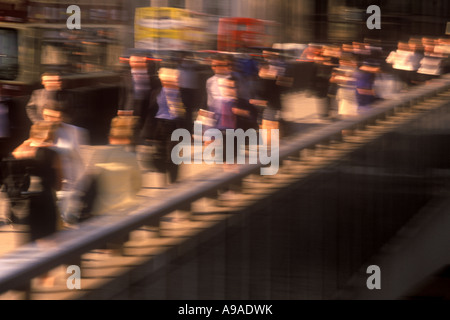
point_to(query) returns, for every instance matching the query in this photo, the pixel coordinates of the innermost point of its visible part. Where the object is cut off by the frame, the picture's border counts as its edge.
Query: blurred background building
(321, 20)
(35, 39)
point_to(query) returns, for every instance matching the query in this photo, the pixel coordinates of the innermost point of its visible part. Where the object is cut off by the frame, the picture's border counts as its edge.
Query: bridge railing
(19, 267)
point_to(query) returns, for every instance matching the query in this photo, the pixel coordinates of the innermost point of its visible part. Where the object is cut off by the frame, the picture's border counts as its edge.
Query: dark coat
(142, 106)
(17, 124)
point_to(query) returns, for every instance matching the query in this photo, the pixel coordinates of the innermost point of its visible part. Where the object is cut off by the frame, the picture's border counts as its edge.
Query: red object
(234, 33)
(127, 60)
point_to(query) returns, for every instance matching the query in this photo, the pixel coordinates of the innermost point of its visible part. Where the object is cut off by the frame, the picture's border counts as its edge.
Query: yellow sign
(158, 26)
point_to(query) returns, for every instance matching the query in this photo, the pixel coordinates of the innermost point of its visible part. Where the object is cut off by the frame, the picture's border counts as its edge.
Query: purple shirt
(224, 114)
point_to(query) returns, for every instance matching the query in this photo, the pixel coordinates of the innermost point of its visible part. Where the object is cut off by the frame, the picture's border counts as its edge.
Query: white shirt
(213, 91)
(69, 141)
(431, 65)
(403, 60)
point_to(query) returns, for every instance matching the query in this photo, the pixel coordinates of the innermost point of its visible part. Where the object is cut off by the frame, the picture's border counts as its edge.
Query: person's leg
(170, 167)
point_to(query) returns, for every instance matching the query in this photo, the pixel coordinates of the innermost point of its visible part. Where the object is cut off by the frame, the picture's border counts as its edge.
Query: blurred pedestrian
(361, 50)
(68, 142)
(44, 165)
(36, 157)
(403, 61)
(272, 83)
(417, 48)
(232, 112)
(431, 65)
(331, 56)
(344, 77)
(169, 117)
(140, 84)
(311, 52)
(245, 71)
(442, 46)
(322, 87)
(189, 82)
(365, 82)
(222, 68)
(54, 90)
(225, 108)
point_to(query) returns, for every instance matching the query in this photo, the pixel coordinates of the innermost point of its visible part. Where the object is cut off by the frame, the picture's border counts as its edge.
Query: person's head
(348, 59)
(415, 44)
(347, 48)
(138, 62)
(221, 65)
(169, 77)
(428, 44)
(52, 81)
(331, 51)
(265, 71)
(404, 46)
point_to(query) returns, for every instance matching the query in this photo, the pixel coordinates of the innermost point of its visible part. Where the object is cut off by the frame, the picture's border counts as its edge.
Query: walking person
(140, 84)
(365, 84)
(44, 165)
(189, 82)
(68, 143)
(222, 68)
(45, 168)
(344, 77)
(268, 97)
(169, 117)
(404, 62)
(432, 63)
(54, 90)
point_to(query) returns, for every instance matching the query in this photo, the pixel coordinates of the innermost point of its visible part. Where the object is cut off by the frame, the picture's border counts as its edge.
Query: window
(88, 50)
(177, 3)
(9, 63)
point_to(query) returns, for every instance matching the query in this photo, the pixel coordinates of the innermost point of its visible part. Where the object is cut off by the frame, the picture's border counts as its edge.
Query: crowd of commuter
(352, 77)
(238, 91)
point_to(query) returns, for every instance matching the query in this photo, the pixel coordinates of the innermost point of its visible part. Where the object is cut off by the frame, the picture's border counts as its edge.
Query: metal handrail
(19, 267)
